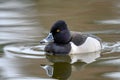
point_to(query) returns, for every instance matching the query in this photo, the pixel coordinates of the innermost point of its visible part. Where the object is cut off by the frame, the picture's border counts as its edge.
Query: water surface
(23, 23)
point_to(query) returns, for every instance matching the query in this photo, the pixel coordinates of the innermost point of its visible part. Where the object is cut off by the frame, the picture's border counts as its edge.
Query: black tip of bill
(42, 42)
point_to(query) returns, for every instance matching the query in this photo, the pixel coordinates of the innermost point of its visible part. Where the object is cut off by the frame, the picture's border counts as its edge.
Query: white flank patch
(90, 45)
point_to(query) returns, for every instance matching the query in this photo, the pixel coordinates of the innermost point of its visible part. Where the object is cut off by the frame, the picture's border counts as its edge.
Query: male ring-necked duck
(61, 41)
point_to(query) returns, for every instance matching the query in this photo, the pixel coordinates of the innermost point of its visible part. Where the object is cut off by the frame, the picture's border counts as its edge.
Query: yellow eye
(58, 30)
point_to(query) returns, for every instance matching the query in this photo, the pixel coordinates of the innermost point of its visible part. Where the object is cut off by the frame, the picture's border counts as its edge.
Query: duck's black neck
(69, 40)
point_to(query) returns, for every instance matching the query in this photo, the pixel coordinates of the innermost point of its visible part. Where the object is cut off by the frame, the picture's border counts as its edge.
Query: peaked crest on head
(60, 32)
(60, 24)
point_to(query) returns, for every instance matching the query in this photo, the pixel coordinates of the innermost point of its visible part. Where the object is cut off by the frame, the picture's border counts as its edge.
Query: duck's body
(62, 41)
(89, 43)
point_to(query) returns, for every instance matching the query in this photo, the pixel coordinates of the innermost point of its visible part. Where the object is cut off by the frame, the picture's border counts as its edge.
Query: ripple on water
(113, 21)
(30, 78)
(37, 51)
(22, 50)
(111, 47)
(32, 51)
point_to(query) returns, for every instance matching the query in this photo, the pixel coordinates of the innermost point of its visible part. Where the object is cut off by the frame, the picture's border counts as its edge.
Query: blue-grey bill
(48, 39)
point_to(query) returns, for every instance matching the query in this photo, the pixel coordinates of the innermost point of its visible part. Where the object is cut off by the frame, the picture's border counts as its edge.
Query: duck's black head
(60, 32)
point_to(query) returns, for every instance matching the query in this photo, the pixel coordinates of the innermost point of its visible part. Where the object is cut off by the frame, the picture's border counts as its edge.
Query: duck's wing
(79, 38)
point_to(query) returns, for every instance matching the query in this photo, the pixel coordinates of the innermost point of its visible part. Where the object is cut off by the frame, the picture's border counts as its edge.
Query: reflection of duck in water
(63, 65)
(86, 57)
(61, 68)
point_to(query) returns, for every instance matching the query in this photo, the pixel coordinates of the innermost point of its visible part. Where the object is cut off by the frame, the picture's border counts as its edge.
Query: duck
(61, 40)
